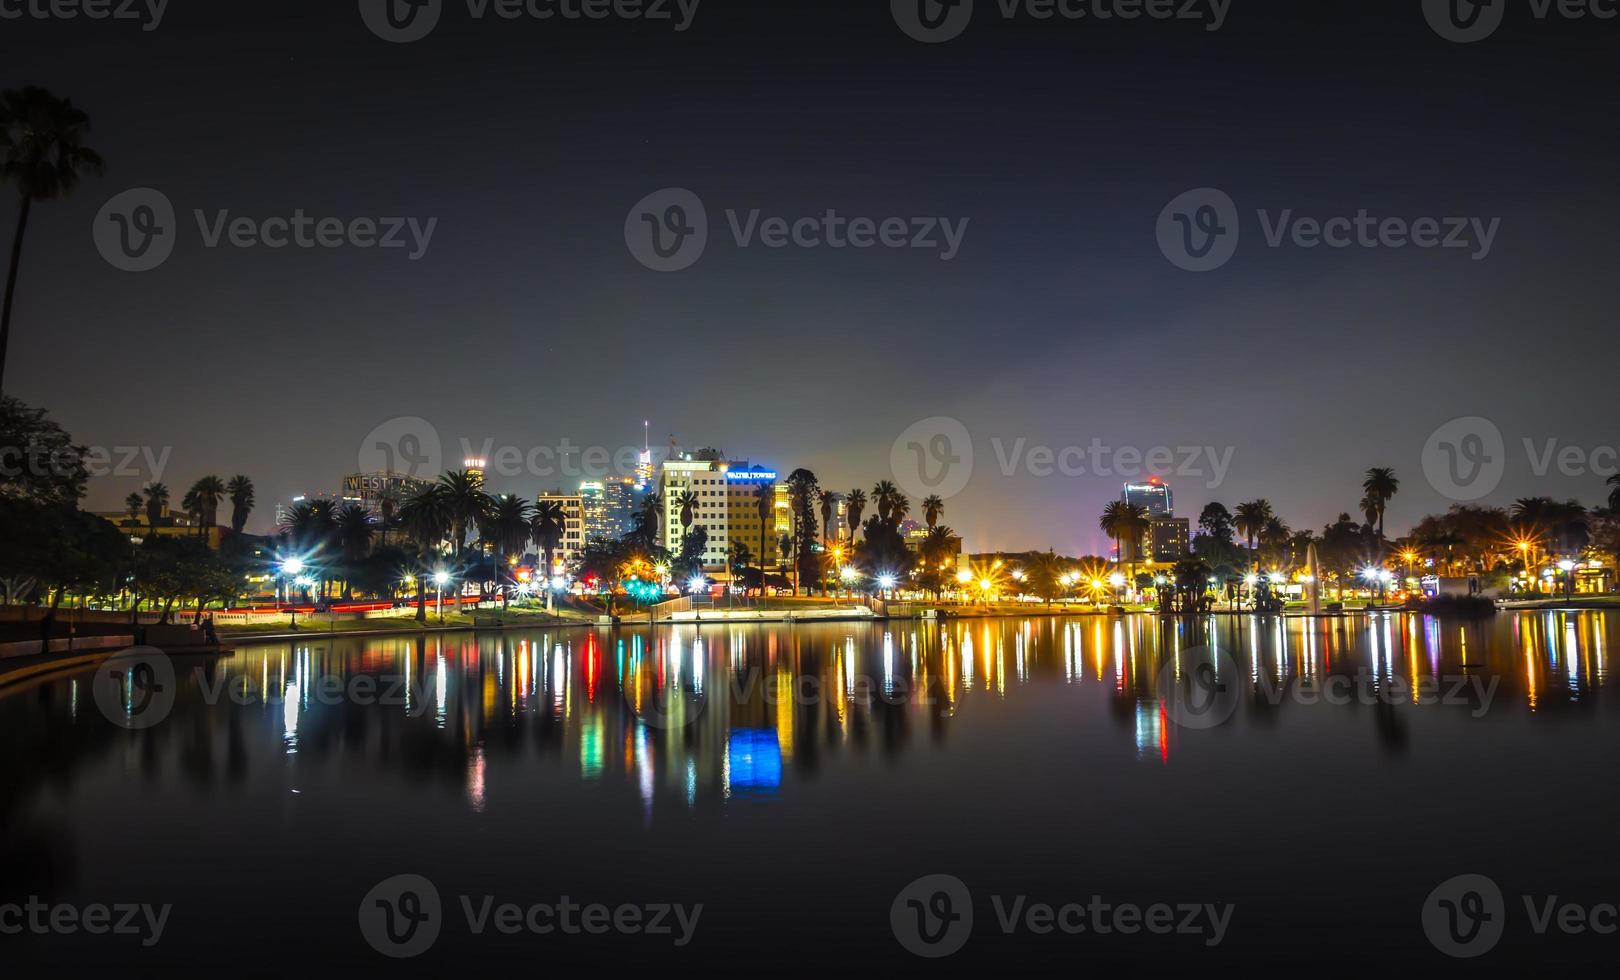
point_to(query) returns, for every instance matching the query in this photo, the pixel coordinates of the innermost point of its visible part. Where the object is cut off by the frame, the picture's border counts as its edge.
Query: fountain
(1313, 582)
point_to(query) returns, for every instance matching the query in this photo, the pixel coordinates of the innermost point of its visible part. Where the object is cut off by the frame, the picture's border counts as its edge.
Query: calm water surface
(794, 780)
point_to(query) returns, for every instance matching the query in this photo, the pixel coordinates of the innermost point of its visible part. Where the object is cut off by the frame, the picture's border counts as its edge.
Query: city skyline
(1091, 332)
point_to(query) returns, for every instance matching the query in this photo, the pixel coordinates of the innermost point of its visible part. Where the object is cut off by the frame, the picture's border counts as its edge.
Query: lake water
(1245, 792)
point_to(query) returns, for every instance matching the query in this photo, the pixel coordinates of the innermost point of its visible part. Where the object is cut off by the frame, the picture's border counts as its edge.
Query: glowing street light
(441, 578)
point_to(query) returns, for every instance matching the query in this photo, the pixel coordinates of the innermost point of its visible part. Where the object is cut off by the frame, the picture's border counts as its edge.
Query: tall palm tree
(764, 503)
(241, 491)
(884, 493)
(132, 506)
(828, 501)
(854, 507)
(933, 509)
(206, 493)
(425, 519)
(900, 509)
(1380, 486)
(42, 151)
(1124, 522)
(353, 530)
(507, 533)
(193, 507)
(688, 502)
(547, 522)
(157, 501)
(1250, 519)
(464, 496)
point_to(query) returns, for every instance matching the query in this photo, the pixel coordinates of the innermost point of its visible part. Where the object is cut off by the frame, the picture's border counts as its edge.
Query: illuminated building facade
(726, 506)
(573, 536)
(1166, 540)
(1154, 496)
(371, 490)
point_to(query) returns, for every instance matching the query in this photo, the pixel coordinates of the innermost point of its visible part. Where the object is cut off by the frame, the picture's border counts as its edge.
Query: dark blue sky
(528, 321)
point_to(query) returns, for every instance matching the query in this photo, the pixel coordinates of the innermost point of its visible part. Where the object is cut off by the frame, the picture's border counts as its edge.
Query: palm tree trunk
(11, 285)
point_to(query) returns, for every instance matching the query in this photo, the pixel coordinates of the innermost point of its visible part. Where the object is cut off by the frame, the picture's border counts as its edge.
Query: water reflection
(689, 715)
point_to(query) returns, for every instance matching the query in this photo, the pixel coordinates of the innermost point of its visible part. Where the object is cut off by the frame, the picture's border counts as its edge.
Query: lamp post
(1568, 568)
(441, 578)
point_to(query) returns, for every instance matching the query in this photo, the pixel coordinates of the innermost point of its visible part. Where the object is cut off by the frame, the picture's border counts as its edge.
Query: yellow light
(964, 576)
(986, 584)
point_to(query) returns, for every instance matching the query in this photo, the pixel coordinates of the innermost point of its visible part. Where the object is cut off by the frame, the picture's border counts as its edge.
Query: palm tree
(157, 501)
(652, 515)
(206, 494)
(241, 490)
(547, 522)
(508, 532)
(764, 502)
(1250, 519)
(827, 500)
(1124, 522)
(42, 152)
(854, 507)
(1380, 486)
(132, 506)
(353, 530)
(425, 519)
(464, 496)
(884, 494)
(687, 500)
(933, 509)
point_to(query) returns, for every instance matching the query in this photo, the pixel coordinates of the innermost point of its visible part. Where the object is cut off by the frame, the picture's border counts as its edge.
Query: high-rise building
(475, 468)
(1165, 540)
(609, 506)
(573, 536)
(1152, 495)
(725, 503)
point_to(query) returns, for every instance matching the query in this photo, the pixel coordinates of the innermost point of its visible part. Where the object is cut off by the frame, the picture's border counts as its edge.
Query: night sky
(528, 321)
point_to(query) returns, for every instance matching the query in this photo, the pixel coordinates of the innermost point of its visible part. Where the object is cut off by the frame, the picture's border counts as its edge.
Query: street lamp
(441, 578)
(1568, 568)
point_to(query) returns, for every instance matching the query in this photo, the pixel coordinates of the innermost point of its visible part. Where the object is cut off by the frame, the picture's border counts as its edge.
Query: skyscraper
(1153, 495)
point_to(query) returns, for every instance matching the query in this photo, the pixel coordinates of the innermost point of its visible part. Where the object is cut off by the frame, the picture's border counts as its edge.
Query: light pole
(441, 578)
(1568, 568)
